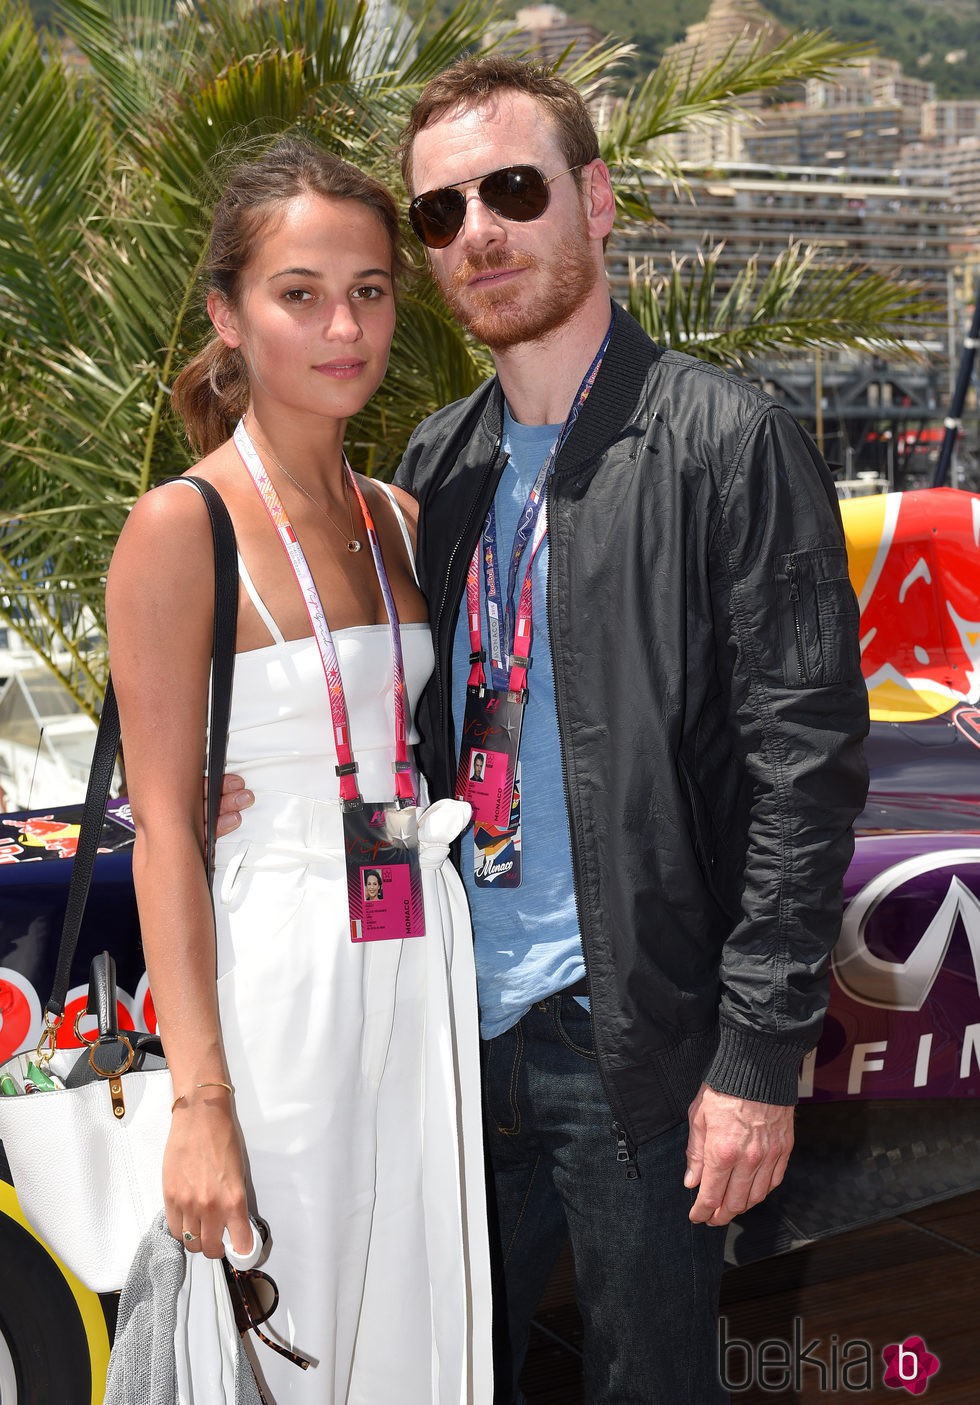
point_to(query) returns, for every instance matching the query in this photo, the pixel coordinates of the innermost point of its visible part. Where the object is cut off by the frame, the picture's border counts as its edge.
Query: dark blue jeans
(647, 1280)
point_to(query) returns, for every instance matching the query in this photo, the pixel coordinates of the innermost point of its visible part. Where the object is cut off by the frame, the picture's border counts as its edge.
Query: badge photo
(384, 879)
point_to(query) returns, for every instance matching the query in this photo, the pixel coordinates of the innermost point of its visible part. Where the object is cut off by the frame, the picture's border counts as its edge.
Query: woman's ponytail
(210, 395)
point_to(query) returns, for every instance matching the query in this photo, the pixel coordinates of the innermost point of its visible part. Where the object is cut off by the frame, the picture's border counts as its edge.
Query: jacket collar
(619, 388)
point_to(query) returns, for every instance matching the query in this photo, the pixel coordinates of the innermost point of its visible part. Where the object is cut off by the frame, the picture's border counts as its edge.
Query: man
(690, 763)
(689, 759)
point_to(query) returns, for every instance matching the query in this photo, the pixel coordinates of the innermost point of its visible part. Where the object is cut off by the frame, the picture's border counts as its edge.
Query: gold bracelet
(215, 1083)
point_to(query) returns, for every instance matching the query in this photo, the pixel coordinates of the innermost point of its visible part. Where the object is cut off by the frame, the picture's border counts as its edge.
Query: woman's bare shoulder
(174, 513)
(166, 541)
(408, 505)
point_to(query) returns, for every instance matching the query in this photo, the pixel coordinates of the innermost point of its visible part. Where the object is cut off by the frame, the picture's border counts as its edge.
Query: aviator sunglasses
(517, 193)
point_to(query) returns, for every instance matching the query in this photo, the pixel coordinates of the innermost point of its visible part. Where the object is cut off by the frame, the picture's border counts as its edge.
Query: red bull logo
(914, 561)
(41, 832)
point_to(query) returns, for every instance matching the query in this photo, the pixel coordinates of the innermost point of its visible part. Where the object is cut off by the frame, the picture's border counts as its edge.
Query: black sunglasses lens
(438, 216)
(517, 193)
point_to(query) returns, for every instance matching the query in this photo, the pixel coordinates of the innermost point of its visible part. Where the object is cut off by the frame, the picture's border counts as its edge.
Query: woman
(316, 1052)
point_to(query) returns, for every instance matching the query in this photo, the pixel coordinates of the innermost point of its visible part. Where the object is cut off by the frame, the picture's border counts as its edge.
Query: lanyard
(347, 769)
(503, 620)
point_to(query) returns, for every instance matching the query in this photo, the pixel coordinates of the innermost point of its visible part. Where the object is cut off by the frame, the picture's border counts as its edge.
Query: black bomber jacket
(710, 708)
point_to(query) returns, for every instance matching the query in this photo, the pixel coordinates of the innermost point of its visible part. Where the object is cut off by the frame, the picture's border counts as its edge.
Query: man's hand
(736, 1152)
(234, 797)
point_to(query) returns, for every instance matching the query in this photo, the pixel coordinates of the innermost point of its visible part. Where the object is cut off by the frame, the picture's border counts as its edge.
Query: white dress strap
(256, 600)
(402, 523)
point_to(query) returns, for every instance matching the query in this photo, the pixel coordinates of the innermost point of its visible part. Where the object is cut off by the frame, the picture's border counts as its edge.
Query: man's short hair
(472, 81)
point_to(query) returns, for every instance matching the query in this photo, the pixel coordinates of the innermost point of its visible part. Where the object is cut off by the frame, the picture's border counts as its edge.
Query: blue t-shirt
(527, 939)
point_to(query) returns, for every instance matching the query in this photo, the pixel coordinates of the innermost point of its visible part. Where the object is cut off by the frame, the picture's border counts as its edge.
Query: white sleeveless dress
(356, 1067)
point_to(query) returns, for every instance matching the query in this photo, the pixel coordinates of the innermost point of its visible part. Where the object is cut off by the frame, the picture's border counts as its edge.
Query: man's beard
(499, 317)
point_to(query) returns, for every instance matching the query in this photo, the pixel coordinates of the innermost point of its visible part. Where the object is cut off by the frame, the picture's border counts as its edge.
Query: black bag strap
(107, 742)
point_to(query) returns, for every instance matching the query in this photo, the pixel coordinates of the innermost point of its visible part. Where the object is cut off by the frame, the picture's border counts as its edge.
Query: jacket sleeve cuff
(756, 1066)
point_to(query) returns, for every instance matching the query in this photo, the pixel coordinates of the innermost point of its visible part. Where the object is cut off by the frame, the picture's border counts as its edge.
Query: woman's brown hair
(211, 392)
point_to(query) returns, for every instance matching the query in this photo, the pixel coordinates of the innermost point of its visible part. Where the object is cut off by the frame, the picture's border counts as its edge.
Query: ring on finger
(188, 1237)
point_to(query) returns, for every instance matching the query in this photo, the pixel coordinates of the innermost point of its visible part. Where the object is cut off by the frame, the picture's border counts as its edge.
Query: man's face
(505, 281)
(478, 768)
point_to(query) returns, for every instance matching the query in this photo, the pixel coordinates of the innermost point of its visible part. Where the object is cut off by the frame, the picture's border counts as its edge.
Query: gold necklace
(352, 542)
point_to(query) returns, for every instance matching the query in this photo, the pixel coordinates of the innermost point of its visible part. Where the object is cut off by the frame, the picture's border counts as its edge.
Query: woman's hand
(204, 1175)
(234, 799)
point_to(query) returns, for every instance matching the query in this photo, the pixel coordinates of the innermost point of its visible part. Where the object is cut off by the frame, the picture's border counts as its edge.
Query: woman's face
(371, 886)
(315, 311)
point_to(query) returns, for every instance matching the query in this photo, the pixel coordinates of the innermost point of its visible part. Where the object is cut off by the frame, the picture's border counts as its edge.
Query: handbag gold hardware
(116, 1094)
(84, 1038)
(115, 1072)
(49, 1036)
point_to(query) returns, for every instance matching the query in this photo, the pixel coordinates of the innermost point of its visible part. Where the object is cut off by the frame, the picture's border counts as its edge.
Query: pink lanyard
(520, 656)
(405, 792)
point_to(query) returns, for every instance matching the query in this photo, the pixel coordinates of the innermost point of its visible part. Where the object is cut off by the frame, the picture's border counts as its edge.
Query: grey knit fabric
(142, 1366)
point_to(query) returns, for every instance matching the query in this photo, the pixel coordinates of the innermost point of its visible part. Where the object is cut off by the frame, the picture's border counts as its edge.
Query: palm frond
(677, 96)
(136, 51)
(590, 71)
(50, 156)
(801, 301)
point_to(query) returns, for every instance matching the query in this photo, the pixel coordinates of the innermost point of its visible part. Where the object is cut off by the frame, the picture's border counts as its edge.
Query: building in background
(963, 164)
(798, 135)
(544, 33)
(861, 116)
(874, 83)
(896, 222)
(947, 123)
(950, 139)
(870, 413)
(730, 28)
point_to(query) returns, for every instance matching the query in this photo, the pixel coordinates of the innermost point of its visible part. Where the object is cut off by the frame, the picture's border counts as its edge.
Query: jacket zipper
(625, 1149)
(794, 596)
(625, 1153)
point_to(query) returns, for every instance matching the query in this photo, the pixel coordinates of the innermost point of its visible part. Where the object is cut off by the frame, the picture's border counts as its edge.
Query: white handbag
(86, 1156)
(89, 1179)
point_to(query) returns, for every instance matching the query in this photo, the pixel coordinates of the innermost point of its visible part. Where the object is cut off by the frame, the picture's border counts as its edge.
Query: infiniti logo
(905, 985)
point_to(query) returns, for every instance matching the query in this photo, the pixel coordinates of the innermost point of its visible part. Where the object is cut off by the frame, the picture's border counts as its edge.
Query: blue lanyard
(512, 621)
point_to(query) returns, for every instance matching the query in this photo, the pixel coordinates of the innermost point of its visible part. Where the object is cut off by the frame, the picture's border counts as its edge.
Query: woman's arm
(159, 607)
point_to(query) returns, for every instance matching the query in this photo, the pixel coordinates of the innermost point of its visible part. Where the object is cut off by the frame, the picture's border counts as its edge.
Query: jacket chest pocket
(818, 618)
